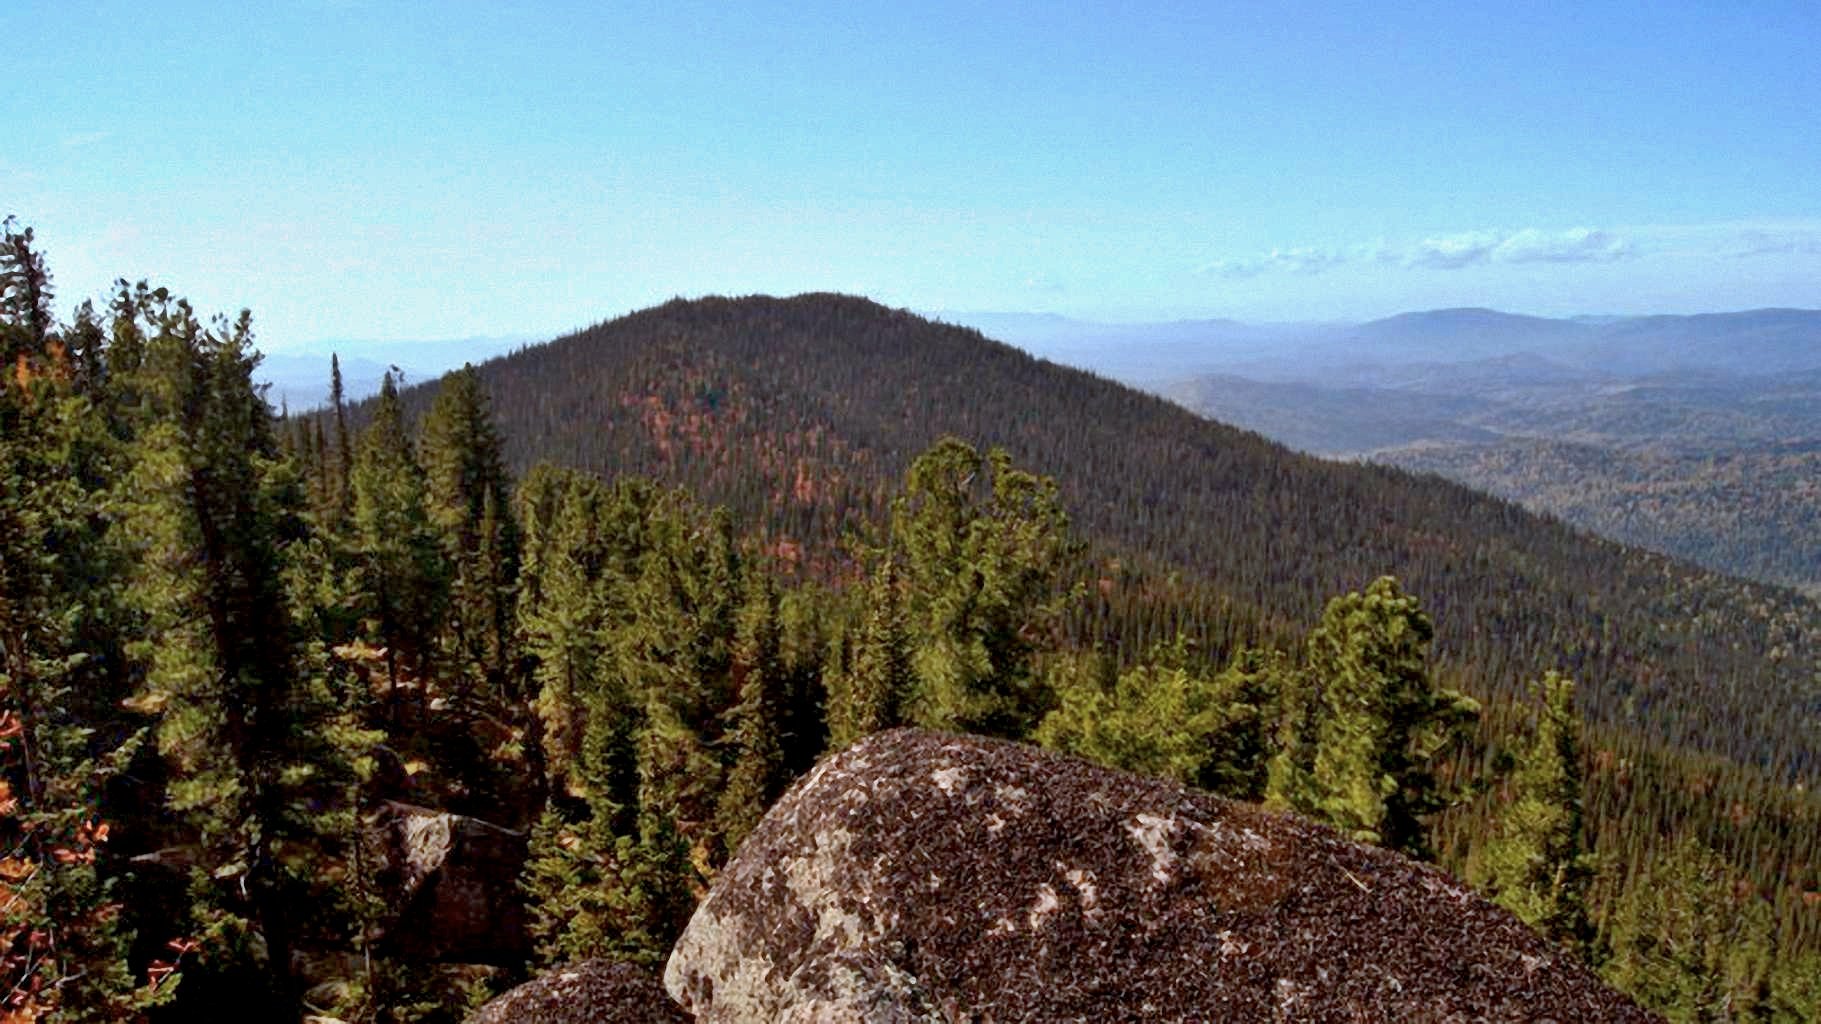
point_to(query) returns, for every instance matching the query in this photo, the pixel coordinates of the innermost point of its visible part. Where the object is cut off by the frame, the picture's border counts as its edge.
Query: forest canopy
(234, 642)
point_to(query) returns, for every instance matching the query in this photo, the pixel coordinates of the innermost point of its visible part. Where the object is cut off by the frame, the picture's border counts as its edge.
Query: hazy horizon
(356, 168)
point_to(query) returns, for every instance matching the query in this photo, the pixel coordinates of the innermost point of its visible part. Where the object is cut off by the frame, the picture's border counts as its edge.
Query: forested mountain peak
(801, 412)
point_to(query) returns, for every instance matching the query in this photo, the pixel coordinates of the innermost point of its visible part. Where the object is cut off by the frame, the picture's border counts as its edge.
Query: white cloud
(1451, 252)
(1577, 245)
(1299, 261)
(1797, 241)
(1530, 245)
(1441, 252)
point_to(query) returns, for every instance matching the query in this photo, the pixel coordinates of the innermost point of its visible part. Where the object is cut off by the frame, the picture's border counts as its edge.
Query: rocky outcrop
(920, 876)
(452, 883)
(589, 992)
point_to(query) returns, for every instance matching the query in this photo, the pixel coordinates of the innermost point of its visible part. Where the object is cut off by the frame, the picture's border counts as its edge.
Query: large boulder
(451, 884)
(920, 876)
(589, 992)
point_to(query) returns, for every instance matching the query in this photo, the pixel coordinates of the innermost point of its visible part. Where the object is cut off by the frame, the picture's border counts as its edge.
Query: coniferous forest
(614, 593)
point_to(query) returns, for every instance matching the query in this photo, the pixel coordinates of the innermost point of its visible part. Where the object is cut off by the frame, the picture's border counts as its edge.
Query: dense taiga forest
(617, 591)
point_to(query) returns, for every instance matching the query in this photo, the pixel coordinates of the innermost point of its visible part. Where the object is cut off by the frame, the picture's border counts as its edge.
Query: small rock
(451, 884)
(587, 992)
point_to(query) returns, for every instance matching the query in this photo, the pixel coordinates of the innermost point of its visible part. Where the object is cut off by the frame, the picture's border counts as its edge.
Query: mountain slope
(802, 412)
(1755, 512)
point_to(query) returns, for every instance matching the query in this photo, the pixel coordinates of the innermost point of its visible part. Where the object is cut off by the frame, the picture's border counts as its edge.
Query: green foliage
(1689, 941)
(1364, 726)
(1535, 863)
(402, 581)
(63, 940)
(673, 670)
(872, 689)
(1170, 717)
(984, 546)
(757, 722)
(246, 727)
(470, 505)
(25, 297)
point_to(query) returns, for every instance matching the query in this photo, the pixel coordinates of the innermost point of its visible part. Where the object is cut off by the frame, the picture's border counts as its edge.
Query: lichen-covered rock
(451, 885)
(588, 992)
(920, 876)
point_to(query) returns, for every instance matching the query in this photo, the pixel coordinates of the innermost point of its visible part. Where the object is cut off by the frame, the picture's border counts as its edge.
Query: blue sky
(391, 170)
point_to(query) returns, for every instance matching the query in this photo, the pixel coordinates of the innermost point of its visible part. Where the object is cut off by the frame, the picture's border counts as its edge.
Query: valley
(1692, 436)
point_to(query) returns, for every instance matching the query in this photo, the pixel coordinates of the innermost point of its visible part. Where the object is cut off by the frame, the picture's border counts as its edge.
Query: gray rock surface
(452, 885)
(921, 876)
(588, 992)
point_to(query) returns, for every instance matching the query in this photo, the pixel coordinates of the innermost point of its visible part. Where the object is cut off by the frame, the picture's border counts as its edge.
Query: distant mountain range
(1698, 436)
(802, 414)
(299, 378)
(1750, 342)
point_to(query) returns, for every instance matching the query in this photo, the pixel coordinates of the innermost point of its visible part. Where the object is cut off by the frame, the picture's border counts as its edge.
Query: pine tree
(806, 616)
(402, 577)
(676, 654)
(63, 937)
(1535, 863)
(341, 477)
(1689, 941)
(564, 623)
(756, 730)
(983, 546)
(470, 505)
(246, 728)
(874, 689)
(1369, 723)
(1170, 716)
(25, 302)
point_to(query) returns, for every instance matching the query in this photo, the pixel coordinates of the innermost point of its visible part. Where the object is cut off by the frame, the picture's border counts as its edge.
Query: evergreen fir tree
(63, 937)
(470, 506)
(245, 727)
(1170, 716)
(1689, 941)
(805, 618)
(873, 691)
(984, 545)
(676, 655)
(402, 578)
(1370, 723)
(1535, 864)
(25, 300)
(341, 479)
(757, 722)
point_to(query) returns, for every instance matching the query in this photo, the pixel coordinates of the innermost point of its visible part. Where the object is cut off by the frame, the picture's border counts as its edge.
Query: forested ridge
(1754, 512)
(616, 592)
(801, 414)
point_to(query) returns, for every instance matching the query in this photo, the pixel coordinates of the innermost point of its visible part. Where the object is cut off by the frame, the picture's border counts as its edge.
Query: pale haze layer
(395, 171)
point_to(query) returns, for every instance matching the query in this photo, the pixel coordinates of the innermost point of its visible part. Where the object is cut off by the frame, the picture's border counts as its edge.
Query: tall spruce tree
(1172, 716)
(1365, 725)
(1688, 940)
(247, 732)
(564, 623)
(873, 689)
(1536, 863)
(25, 300)
(757, 722)
(63, 937)
(341, 467)
(402, 579)
(983, 546)
(676, 654)
(470, 505)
